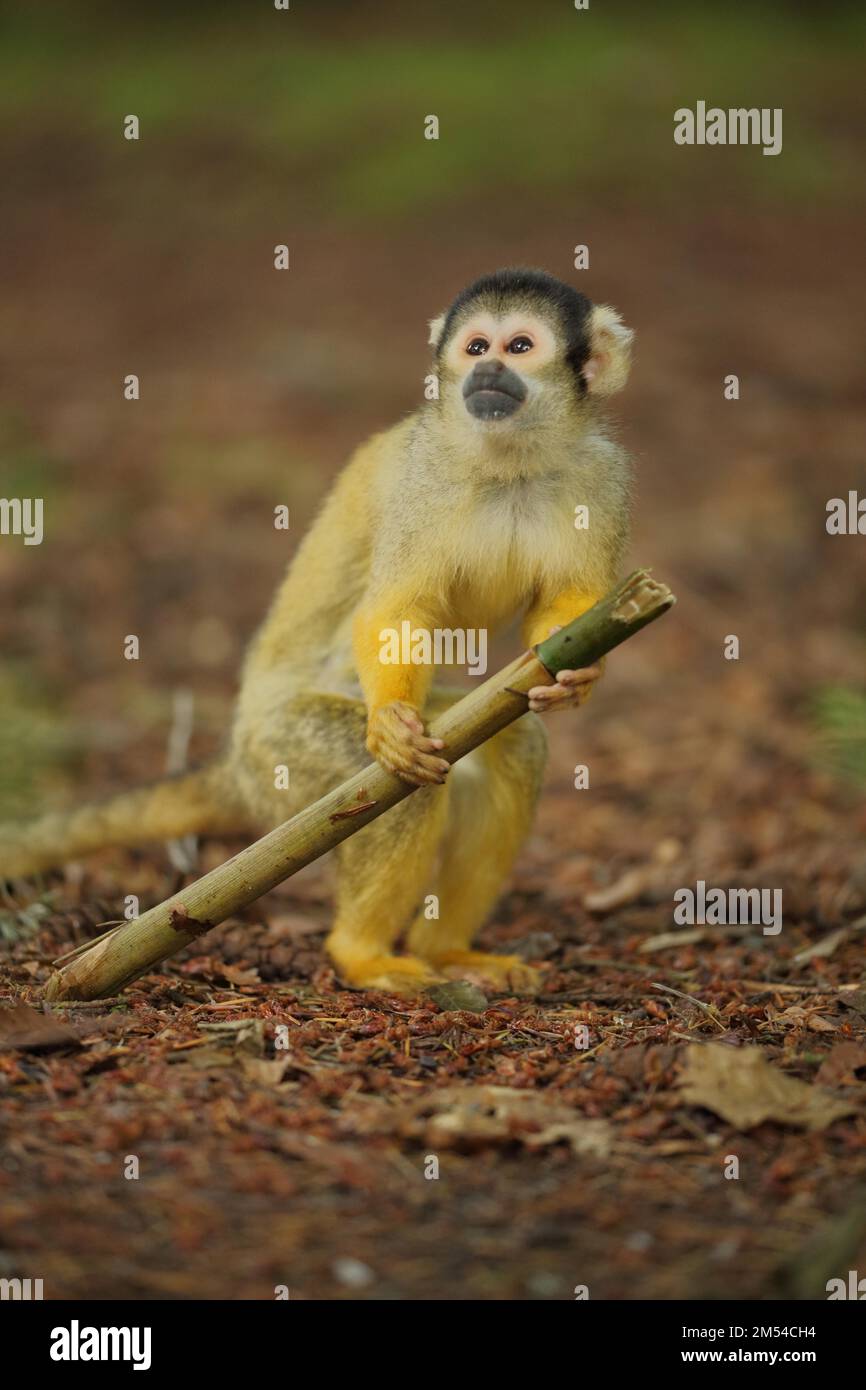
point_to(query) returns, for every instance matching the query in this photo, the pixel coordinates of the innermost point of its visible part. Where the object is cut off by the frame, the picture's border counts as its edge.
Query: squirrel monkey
(461, 516)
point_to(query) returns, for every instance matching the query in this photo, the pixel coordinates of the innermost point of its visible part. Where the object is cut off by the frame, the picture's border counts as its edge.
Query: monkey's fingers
(400, 750)
(417, 776)
(585, 676)
(425, 744)
(570, 690)
(413, 721)
(407, 715)
(421, 769)
(543, 698)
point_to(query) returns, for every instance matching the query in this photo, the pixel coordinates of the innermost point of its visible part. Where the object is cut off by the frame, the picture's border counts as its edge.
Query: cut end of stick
(637, 601)
(641, 595)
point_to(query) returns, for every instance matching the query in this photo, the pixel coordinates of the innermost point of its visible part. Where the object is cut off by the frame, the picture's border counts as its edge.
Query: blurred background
(306, 128)
(556, 129)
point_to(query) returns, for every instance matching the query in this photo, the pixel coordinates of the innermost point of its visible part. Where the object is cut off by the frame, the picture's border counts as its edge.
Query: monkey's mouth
(493, 392)
(489, 404)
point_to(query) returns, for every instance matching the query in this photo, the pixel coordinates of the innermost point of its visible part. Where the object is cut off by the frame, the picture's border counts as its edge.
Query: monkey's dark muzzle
(493, 391)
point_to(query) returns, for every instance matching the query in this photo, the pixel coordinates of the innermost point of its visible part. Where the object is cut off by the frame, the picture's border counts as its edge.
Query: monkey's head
(519, 352)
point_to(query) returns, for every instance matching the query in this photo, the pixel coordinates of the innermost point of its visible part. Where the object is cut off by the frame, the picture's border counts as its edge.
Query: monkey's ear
(610, 343)
(436, 327)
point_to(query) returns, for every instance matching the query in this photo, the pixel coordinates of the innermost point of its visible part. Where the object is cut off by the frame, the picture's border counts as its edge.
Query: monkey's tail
(190, 803)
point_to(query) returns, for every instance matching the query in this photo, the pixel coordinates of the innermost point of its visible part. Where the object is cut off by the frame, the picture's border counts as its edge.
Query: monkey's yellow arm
(556, 612)
(383, 680)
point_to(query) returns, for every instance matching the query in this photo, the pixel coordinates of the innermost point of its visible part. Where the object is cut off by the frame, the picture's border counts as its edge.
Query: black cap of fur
(502, 288)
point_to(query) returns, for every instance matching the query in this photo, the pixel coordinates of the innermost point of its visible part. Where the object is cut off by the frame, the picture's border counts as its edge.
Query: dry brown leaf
(238, 975)
(229, 1042)
(24, 1027)
(742, 1087)
(584, 1136)
(841, 1063)
(500, 1112)
(817, 1023)
(796, 1016)
(479, 1115)
(245, 1035)
(204, 1058)
(855, 1000)
(267, 1072)
(458, 994)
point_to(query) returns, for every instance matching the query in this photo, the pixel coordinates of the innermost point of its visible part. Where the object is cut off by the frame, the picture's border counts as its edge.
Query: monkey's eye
(477, 347)
(520, 344)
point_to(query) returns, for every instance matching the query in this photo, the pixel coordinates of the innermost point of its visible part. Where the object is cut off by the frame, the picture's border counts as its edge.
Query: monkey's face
(520, 358)
(498, 363)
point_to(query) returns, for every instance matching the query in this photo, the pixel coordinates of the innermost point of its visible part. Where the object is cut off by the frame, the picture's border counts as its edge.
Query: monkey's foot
(504, 972)
(396, 738)
(396, 974)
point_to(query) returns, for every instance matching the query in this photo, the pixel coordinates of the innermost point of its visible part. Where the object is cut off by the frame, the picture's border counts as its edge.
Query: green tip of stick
(638, 600)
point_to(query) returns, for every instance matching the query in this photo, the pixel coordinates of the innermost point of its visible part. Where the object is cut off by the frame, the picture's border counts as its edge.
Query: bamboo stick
(130, 950)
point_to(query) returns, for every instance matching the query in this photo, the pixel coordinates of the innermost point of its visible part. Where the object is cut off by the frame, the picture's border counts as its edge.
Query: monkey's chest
(514, 548)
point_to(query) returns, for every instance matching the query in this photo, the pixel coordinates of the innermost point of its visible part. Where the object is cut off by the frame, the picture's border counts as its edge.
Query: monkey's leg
(385, 869)
(383, 873)
(196, 802)
(493, 792)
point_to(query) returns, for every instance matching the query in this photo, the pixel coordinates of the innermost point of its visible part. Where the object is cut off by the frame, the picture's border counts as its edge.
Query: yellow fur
(447, 522)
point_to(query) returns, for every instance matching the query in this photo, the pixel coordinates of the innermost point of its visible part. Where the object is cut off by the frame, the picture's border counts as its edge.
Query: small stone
(354, 1274)
(639, 1241)
(543, 1284)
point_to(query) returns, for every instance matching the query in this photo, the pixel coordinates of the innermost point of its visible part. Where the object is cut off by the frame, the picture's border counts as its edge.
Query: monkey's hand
(396, 738)
(570, 690)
